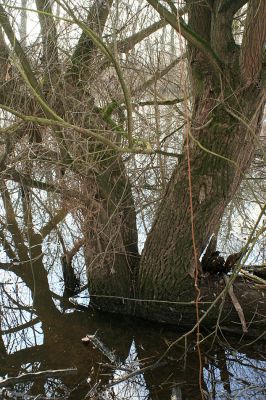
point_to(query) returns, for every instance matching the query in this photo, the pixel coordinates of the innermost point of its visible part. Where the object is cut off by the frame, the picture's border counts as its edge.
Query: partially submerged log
(216, 309)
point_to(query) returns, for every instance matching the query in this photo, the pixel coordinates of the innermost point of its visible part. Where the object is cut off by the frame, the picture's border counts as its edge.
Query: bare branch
(4, 62)
(23, 20)
(192, 37)
(159, 102)
(28, 181)
(236, 305)
(6, 246)
(158, 75)
(37, 375)
(128, 44)
(18, 328)
(54, 221)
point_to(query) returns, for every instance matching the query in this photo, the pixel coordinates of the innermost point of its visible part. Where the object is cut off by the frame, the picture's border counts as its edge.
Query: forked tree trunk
(219, 156)
(228, 105)
(228, 101)
(167, 262)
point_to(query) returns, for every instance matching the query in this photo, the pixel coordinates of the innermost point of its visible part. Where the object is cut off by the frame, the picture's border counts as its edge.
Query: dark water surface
(230, 369)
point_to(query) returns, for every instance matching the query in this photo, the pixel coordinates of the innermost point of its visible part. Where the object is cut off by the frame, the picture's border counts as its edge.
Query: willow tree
(89, 139)
(228, 89)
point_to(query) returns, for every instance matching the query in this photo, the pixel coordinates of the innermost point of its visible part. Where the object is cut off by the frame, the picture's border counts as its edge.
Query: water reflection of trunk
(62, 348)
(3, 353)
(181, 369)
(42, 298)
(25, 246)
(224, 373)
(37, 387)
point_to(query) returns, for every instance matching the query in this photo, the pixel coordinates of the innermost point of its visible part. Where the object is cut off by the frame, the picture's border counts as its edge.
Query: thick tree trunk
(111, 249)
(220, 142)
(219, 156)
(182, 312)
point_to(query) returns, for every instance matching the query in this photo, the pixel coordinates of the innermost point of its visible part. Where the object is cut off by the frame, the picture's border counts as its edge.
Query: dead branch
(236, 304)
(37, 375)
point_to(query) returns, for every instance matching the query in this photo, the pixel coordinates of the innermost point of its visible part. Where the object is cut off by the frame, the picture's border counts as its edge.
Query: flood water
(119, 346)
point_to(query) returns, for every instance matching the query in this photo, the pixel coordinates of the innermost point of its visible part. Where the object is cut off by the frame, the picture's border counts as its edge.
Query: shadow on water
(119, 347)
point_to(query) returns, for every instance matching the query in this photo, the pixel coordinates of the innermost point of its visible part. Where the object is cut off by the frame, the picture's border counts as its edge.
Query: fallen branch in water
(92, 393)
(236, 304)
(98, 344)
(50, 373)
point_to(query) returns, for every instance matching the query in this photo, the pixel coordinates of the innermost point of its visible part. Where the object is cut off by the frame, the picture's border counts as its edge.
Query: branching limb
(192, 37)
(54, 221)
(129, 43)
(234, 6)
(99, 43)
(18, 328)
(76, 247)
(84, 50)
(236, 304)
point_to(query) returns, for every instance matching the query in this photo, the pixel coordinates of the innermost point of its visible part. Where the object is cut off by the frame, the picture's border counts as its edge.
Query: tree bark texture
(228, 85)
(220, 144)
(111, 250)
(221, 148)
(182, 313)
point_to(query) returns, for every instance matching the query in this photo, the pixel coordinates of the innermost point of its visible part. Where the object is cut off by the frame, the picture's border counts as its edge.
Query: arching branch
(192, 37)
(54, 221)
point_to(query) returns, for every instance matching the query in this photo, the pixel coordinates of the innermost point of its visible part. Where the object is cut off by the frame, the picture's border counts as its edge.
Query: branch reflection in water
(43, 321)
(33, 341)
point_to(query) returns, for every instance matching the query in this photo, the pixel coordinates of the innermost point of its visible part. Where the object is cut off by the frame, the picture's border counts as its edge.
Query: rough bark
(111, 250)
(221, 148)
(181, 312)
(227, 115)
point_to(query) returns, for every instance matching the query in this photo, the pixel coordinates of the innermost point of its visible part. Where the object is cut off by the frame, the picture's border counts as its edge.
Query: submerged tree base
(216, 310)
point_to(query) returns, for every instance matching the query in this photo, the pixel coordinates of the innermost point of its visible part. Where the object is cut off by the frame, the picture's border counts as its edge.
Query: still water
(119, 360)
